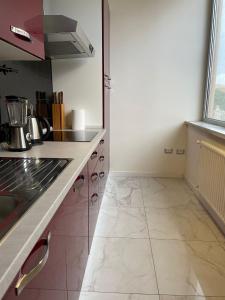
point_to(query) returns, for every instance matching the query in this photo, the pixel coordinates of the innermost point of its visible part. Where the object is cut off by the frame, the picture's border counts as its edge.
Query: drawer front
(101, 146)
(72, 216)
(93, 203)
(93, 161)
(51, 277)
(93, 214)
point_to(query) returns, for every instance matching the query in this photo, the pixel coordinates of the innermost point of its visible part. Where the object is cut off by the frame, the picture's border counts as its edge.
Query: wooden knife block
(58, 117)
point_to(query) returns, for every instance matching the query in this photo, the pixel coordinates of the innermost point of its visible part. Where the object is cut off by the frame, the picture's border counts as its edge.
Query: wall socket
(168, 150)
(180, 151)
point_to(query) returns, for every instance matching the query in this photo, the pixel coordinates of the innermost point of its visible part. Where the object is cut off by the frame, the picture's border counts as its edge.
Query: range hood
(65, 39)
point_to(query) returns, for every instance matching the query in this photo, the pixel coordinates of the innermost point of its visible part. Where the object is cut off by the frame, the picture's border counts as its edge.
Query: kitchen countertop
(17, 244)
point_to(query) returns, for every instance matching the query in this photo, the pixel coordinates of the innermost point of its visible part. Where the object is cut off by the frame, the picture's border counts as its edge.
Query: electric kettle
(39, 127)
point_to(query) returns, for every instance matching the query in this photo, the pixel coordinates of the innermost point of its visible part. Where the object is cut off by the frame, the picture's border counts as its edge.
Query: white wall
(81, 79)
(158, 52)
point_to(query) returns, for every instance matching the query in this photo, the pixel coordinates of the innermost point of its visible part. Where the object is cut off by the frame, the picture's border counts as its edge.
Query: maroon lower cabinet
(55, 267)
(22, 26)
(62, 250)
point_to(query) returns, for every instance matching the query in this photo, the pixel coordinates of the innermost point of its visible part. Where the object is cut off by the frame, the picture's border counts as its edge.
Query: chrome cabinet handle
(107, 77)
(94, 177)
(78, 182)
(21, 33)
(94, 198)
(101, 158)
(102, 175)
(27, 278)
(94, 155)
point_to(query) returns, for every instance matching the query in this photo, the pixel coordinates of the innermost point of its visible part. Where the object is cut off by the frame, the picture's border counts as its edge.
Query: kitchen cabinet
(21, 31)
(106, 78)
(68, 249)
(98, 172)
(68, 237)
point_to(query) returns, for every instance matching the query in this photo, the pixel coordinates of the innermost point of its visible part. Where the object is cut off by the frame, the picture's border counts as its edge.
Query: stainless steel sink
(22, 181)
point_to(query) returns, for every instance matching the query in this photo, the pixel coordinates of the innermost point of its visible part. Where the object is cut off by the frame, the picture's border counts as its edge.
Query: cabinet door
(71, 224)
(102, 172)
(68, 249)
(71, 219)
(48, 253)
(93, 203)
(22, 25)
(106, 78)
(106, 36)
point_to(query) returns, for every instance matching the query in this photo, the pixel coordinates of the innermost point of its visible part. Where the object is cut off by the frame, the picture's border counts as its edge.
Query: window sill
(216, 130)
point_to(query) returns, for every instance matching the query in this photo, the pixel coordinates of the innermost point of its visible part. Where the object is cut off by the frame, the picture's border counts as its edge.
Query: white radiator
(212, 178)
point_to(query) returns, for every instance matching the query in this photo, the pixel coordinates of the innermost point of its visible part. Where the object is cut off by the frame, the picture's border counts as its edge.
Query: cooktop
(73, 136)
(22, 181)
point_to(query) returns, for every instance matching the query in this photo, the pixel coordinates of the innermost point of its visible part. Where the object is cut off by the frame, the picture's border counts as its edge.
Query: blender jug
(19, 136)
(17, 110)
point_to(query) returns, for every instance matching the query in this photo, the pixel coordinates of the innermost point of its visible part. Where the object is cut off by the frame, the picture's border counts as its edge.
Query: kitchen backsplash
(25, 78)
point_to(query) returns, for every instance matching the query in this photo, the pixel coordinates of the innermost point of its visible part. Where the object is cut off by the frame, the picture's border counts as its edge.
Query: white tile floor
(154, 241)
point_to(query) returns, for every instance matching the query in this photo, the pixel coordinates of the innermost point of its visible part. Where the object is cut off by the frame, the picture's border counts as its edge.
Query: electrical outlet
(180, 151)
(168, 150)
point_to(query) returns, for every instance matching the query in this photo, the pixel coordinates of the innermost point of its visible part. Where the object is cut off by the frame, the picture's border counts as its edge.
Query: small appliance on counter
(19, 135)
(38, 127)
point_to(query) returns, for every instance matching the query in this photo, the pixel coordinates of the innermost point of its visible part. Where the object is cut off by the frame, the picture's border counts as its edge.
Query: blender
(19, 136)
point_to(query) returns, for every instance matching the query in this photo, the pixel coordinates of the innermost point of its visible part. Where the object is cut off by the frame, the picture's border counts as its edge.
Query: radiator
(212, 178)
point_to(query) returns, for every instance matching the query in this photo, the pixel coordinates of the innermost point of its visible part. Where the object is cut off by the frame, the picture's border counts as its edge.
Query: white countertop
(17, 244)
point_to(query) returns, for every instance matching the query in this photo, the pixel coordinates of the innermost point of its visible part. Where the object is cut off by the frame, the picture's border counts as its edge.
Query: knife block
(58, 117)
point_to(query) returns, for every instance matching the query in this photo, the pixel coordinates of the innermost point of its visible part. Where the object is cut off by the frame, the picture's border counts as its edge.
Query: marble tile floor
(154, 241)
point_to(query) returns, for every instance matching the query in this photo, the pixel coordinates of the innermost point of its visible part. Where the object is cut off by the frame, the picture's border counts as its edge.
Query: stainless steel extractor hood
(65, 39)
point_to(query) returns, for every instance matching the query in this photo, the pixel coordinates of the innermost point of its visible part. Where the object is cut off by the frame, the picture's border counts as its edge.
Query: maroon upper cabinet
(21, 27)
(106, 37)
(106, 79)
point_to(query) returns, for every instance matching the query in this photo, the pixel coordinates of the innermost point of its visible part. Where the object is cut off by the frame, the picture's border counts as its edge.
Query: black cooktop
(73, 136)
(22, 181)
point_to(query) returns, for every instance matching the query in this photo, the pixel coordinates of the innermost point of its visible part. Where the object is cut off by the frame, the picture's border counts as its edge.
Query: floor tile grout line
(144, 294)
(119, 293)
(188, 241)
(150, 246)
(157, 239)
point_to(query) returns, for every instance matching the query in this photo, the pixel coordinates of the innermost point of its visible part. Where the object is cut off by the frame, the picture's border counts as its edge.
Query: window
(214, 111)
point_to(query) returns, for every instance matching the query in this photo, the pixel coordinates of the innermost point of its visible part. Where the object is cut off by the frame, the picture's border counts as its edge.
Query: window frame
(212, 60)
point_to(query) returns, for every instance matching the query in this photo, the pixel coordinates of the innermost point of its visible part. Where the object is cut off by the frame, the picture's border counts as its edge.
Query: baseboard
(207, 207)
(144, 174)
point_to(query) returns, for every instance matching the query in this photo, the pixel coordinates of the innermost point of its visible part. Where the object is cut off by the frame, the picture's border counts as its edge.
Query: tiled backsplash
(26, 79)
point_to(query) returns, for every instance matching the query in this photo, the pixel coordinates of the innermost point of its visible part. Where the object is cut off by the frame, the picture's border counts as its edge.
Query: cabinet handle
(107, 77)
(94, 198)
(21, 33)
(94, 155)
(78, 182)
(27, 278)
(102, 175)
(102, 142)
(94, 177)
(101, 158)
